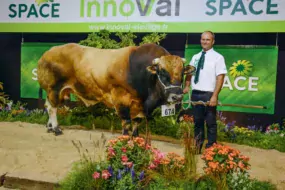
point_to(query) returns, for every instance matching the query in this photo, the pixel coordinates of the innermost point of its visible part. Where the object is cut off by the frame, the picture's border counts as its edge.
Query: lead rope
(189, 101)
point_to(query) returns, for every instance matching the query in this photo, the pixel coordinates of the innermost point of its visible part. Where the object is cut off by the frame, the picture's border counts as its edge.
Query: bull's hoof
(57, 131)
(135, 133)
(49, 130)
(125, 132)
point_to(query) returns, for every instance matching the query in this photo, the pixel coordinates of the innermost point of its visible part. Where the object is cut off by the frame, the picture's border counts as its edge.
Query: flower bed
(133, 164)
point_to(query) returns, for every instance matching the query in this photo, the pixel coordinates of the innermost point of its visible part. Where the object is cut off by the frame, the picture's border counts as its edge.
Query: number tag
(167, 110)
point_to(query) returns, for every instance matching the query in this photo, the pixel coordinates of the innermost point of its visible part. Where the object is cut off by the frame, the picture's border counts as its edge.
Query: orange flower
(209, 157)
(112, 142)
(230, 158)
(234, 160)
(165, 161)
(213, 165)
(241, 165)
(123, 137)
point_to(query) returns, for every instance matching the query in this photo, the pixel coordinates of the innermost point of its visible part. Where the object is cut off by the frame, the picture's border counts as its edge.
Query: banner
(251, 78)
(30, 54)
(142, 15)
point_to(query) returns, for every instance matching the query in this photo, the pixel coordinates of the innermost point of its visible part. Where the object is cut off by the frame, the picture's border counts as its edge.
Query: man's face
(207, 41)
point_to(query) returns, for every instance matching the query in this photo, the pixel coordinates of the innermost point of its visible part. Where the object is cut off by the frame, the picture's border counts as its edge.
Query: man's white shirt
(214, 65)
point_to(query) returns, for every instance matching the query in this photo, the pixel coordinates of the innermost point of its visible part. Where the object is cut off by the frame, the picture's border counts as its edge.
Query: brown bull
(134, 80)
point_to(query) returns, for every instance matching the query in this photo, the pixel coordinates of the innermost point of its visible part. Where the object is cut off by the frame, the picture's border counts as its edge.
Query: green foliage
(3, 96)
(262, 185)
(239, 181)
(104, 40)
(153, 38)
(43, 1)
(80, 177)
(166, 126)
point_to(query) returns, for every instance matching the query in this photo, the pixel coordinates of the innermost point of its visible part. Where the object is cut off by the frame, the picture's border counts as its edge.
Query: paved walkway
(28, 154)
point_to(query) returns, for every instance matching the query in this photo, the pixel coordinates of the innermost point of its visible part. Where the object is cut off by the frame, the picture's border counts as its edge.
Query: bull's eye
(164, 76)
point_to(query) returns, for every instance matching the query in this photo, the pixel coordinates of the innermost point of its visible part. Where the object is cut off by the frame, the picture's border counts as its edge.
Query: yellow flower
(241, 68)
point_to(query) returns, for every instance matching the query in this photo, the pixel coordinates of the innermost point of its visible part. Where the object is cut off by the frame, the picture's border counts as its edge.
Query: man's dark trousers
(201, 114)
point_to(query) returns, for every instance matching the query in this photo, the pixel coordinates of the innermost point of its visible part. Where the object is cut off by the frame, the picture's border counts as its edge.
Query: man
(206, 85)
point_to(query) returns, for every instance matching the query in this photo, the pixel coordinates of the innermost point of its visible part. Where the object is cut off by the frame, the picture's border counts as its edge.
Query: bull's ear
(189, 70)
(151, 69)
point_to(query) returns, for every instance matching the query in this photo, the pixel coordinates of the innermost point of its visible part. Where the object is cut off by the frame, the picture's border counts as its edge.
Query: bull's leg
(126, 126)
(52, 125)
(135, 123)
(124, 113)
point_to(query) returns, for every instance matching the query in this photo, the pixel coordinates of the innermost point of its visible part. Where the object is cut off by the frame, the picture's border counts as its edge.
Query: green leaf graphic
(43, 1)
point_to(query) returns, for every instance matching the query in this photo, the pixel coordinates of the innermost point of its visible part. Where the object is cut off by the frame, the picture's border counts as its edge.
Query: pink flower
(152, 166)
(131, 144)
(158, 156)
(124, 149)
(124, 158)
(147, 147)
(105, 174)
(129, 164)
(111, 151)
(96, 175)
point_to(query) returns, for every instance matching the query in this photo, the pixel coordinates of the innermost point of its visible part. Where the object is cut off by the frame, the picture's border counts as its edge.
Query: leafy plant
(222, 158)
(153, 38)
(223, 161)
(43, 1)
(3, 96)
(274, 128)
(104, 40)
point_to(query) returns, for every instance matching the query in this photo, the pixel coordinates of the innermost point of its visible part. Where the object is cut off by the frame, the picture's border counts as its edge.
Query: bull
(134, 80)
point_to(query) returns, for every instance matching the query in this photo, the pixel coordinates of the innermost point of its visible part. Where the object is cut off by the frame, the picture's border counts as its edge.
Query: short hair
(208, 31)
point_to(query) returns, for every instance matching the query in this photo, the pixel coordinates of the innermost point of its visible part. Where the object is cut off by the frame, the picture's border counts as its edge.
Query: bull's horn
(155, 61)
(184, 60)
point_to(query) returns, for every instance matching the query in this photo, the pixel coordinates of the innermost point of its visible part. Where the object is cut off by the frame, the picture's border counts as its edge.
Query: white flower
(10, 105)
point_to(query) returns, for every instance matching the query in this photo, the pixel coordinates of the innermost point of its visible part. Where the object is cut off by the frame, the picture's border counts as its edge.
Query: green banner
(251, 78)
(30, 54)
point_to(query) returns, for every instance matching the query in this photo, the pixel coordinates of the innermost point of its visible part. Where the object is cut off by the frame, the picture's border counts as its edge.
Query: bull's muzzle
(174, 98)
(177, 98)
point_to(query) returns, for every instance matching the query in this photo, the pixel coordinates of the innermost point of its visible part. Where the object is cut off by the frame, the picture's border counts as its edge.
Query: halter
(168, 86)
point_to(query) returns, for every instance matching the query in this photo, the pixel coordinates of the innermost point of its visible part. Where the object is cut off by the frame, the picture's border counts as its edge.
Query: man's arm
(188, 78)
(219, 85)
(187, 84)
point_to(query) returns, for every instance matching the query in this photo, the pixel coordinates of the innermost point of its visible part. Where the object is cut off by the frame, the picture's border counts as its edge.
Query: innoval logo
(161, 8)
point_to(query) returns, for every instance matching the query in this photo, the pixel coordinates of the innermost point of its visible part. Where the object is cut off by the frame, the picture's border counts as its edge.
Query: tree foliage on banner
(103, 39)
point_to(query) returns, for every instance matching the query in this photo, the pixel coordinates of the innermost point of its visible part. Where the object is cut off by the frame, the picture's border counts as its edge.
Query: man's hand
(219, 84)
(213, 101)
(186, 90)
